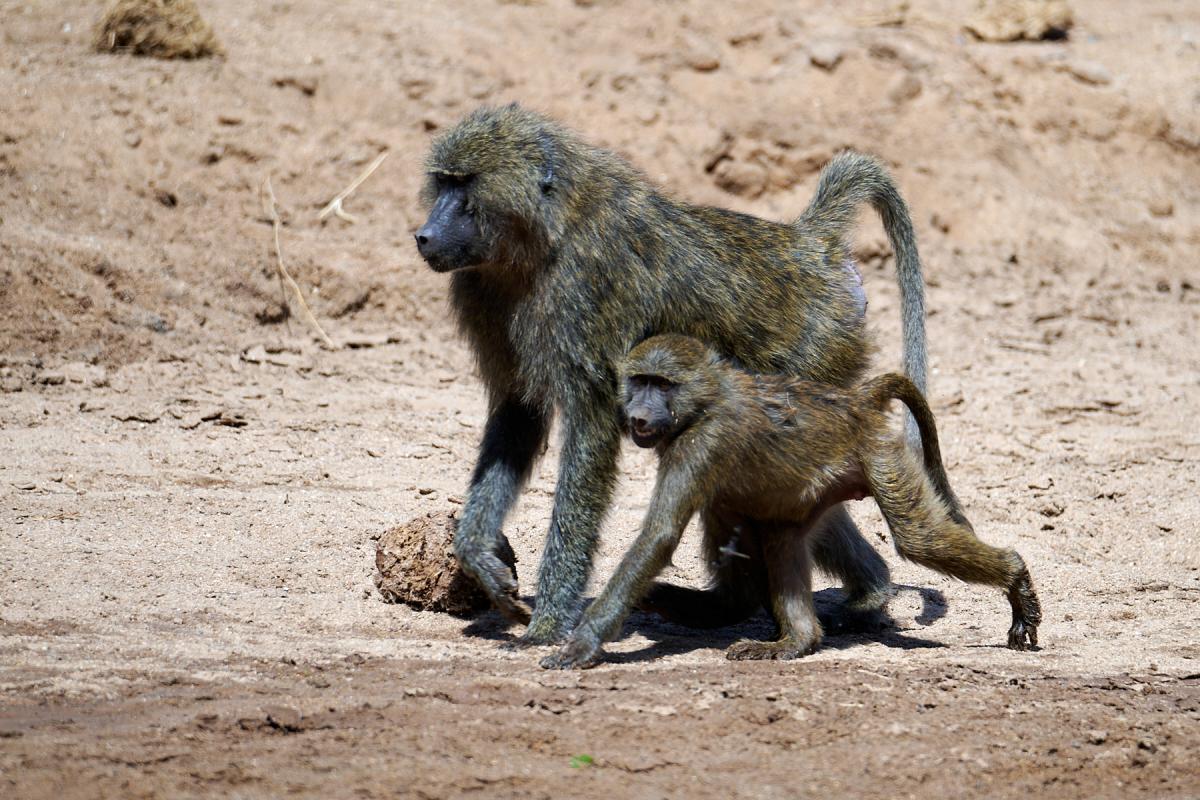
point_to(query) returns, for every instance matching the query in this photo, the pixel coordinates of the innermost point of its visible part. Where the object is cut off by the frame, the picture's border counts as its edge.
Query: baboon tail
(894, 386)
(848, 181)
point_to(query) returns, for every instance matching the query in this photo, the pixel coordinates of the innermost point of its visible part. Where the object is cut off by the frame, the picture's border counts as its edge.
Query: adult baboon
(764, 456)
(564, 256)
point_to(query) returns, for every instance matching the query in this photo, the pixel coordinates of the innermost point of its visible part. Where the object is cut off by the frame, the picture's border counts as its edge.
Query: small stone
(701, 55)
(904, 88)
(1052, 510)
(283, 718)
(136, 416)
(87, 374)
(742, 178)
(1097, 737)
(1089, 72)
(52, 378)
(1161, 207)
(826, 55)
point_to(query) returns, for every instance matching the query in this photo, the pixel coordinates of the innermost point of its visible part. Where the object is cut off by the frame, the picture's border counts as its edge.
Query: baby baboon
(564, 257)
(767, 456)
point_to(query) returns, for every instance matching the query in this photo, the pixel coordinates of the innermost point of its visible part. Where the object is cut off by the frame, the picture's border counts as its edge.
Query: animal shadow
(842, 631)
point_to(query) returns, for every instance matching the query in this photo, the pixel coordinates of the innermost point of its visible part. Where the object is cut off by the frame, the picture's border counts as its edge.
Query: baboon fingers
(498, 582)
(581, 651)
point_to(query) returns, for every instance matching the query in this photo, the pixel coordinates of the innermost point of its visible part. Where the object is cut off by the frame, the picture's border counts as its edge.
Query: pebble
(826, 55)
(1089, 72)
(904, 88)
(1161, 207)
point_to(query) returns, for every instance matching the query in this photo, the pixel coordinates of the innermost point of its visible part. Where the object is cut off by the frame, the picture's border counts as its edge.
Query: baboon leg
(838, 548)
(789, 580)
(586, 479)
(512, 440)
(733, 552)
(925, 532)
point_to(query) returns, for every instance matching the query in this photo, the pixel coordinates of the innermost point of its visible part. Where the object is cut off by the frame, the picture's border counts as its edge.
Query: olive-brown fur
(769, 455)
(577, 257)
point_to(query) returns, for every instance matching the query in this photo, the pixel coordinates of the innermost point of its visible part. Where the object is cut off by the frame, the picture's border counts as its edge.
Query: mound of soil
(415, 565)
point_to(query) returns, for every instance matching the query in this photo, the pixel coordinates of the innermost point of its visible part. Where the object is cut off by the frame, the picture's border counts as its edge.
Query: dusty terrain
(190, 488)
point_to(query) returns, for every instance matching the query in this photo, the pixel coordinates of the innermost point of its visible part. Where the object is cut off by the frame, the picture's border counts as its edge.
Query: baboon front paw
(514, 609)
(499, 583)
(543, 631)
(781, 650)
(577, 653)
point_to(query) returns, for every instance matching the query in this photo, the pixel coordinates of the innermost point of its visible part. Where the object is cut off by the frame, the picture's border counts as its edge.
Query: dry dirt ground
(190, 487)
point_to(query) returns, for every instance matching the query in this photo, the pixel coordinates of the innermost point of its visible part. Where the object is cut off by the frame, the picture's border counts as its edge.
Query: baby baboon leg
(925, 532)
(789, 579)
(733, 554)
(838, 548)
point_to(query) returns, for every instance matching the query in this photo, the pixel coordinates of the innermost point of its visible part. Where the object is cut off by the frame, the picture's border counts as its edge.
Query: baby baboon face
(666, 386)
(648, 408)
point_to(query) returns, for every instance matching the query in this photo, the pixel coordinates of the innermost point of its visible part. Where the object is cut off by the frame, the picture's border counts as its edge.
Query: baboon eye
(654, 381)
(452, 180)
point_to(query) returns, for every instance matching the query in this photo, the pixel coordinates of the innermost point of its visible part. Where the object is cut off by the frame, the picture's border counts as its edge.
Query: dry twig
(335, 205)
(267, 195)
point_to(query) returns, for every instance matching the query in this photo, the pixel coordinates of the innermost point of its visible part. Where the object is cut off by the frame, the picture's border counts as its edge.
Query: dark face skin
(648, 409)
(450, 239)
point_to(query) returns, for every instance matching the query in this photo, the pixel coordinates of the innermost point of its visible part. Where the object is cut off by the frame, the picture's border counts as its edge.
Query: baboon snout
(645, 427)
(427, 241)
(450, 239)
(639, 421)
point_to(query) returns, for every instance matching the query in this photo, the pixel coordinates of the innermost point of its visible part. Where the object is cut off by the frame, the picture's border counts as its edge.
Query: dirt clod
(415, 565)
(158, 28)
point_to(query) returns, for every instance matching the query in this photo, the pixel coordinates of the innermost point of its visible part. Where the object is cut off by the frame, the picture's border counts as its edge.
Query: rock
(415, 565)
(743, 178)
(87, 374)
(826, 55)
(283, 718)
(1161, 207)
(701, 55)
(1097, 737)
(1013, 20)
(1089, 72)
(903, 88)
(136, 415)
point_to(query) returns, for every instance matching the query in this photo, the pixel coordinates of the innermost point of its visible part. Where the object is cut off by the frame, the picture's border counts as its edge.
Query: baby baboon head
(667, 383)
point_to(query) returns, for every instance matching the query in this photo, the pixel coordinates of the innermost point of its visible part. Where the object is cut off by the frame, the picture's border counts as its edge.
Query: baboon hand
(582, 650)
(498, 583)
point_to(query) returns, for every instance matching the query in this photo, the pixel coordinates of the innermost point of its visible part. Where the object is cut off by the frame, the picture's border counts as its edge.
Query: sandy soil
(190, 488)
